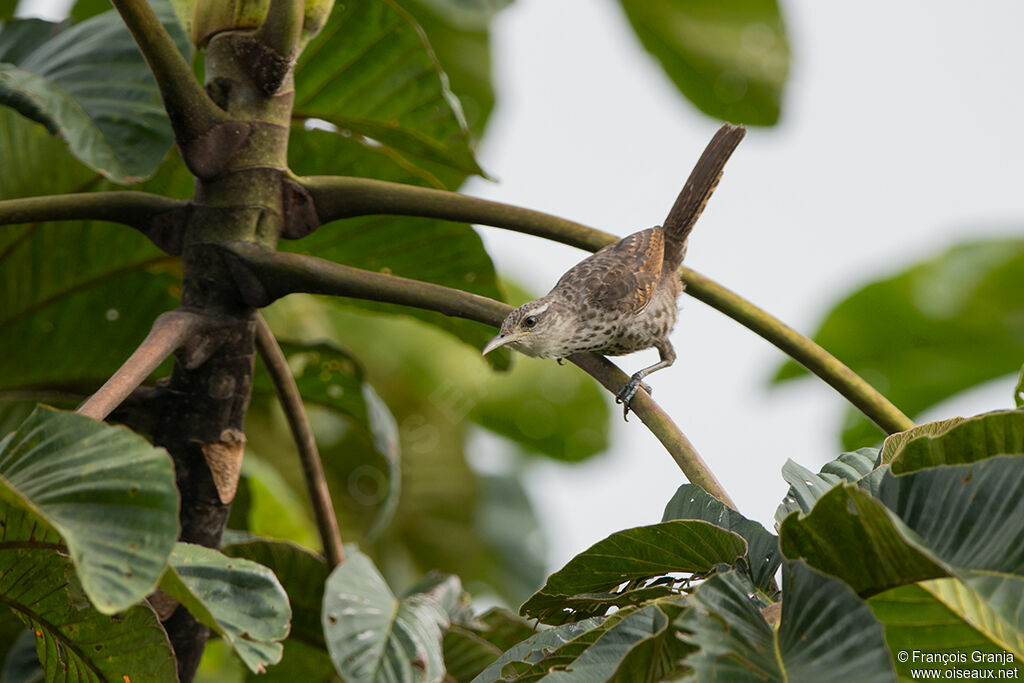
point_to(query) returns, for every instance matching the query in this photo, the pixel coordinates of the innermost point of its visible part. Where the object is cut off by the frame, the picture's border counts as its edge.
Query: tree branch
(192, 111)
(263, 275)
(281, 29)
(341, 197)
(170, 331)
(302, 432)
(159, 218)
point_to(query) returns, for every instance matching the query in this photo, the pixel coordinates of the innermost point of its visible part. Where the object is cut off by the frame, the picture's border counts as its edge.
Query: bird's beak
(503, 339)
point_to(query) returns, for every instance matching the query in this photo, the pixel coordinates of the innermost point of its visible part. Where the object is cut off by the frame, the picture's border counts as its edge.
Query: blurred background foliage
(397, 396)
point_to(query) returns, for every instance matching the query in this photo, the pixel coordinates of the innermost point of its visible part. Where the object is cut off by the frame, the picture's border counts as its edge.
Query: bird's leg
(668, 357)
(560, 361)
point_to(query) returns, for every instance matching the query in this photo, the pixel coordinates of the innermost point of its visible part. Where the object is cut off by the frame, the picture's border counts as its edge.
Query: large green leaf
(372, 635)
(637, 557)
(470, 647)
(826, 633)
(301, 573)
(372, 74)
(107, 288)
(535, 647)
(90, 85)
(928, 332)
(239, 599)
(329, 376)
(599, 653)
(806, 487)
(729, 59)
(851, 535)
(75, 642)
(462, 45)
(958, 441)
(107, 492)
(957, 521)
(939, 618)
(763, 556)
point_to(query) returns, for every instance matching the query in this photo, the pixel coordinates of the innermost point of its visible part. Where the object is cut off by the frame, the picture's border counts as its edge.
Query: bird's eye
(530, 320)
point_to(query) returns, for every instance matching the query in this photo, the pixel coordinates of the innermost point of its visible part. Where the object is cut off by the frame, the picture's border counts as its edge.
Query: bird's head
(541, 328)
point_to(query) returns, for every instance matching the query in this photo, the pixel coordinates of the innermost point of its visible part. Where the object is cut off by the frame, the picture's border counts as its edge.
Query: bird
(623, 298)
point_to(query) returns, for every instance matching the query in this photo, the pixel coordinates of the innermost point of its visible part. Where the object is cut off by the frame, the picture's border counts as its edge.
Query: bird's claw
(560, 361)
(627, 392)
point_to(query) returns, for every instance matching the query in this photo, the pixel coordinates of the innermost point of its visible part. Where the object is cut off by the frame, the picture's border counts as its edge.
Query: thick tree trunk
(200, 425)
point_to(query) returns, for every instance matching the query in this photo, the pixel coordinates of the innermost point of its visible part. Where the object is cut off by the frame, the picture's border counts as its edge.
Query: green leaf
(513, 539)
(108, 493)
(763, 555)
(372, 74)
(462, 45)
(805, 487)
(90, 85)
(1018, 392)
(275, 510)
(85, 9)
(826, 633)
(729, 59)
(372, 635)
(301, 573)
(924, 334)
(536, 647)
(329, 376)
(895, 442)
(470, 647)
(586, 585)
(107, 289)
(851, 535)
(939, 617)
(75, 641)
(958, 441)
(240, 600)
(964, 514)
(936, 522)
(599, 653)
(545, 412)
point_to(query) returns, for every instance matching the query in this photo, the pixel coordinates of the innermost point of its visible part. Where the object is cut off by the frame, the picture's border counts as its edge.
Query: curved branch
(161, 219)
(170, 332)
(302, 432)
(263, 275)
(342, 197)
(192, 111)
(862, 395)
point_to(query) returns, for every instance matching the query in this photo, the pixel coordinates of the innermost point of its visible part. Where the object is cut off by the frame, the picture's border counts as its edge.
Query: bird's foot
(627, 392)
(560, 361)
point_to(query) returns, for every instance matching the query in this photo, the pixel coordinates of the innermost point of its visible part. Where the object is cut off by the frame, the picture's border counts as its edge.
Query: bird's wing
(623, 275)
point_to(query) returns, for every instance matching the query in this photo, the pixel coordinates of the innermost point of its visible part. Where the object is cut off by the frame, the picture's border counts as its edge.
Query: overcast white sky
(900, 136)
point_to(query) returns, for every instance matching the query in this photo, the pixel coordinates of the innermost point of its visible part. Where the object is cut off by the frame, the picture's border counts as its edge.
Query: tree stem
(341, 197)
(263, 275)
(302, 432)
(192, 111)
(170, 331)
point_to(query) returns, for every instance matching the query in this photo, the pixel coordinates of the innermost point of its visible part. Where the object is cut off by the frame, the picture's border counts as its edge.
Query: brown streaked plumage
(622, 298)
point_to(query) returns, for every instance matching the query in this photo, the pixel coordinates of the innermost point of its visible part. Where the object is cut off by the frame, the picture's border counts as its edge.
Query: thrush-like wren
(622, 298)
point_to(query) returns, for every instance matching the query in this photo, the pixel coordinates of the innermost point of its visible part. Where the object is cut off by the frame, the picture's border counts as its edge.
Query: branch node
(210, 153)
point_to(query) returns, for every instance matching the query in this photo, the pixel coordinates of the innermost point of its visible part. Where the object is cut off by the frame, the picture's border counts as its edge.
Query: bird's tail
(697, 190)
